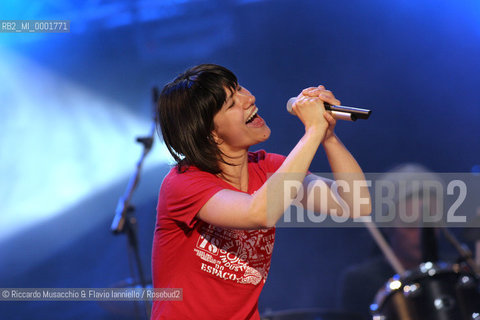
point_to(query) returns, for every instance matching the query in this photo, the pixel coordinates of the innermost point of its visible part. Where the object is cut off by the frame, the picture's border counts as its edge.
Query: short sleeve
(182, 195)
(273, 161)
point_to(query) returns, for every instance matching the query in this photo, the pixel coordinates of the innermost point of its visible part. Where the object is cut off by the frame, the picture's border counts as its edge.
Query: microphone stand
(124, 220)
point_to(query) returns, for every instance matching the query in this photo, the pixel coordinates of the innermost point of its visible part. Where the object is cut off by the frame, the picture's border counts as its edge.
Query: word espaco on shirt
(241, 256)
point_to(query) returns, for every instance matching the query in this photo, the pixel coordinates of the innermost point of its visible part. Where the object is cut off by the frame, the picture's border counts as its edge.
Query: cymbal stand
(465, 253)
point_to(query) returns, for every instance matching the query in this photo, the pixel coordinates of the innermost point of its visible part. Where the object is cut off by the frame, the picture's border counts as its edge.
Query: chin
(266, 133)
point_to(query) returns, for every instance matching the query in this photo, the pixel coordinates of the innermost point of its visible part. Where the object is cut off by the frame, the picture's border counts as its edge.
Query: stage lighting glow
(60, 143)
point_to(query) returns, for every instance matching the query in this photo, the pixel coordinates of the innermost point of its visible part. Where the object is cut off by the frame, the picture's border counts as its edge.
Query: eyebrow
(230, 96)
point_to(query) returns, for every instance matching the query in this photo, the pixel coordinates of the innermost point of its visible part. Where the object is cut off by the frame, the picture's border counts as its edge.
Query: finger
(326, 93)
(311, 92)
(328, 96)
(313, 99)
(309, 89)
(305, 101)
(330, 119)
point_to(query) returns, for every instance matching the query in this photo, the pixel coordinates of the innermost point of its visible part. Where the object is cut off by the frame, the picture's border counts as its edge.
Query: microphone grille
(290, 103)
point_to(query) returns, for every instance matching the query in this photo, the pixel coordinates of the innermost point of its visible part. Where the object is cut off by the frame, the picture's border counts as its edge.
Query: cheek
(230, 123)
(228, 131)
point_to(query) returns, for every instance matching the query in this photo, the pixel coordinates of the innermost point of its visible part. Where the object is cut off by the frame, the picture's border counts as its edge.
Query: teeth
(253, 114)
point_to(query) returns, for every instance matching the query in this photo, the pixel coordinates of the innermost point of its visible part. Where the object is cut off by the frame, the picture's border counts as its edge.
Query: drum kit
(432, 291)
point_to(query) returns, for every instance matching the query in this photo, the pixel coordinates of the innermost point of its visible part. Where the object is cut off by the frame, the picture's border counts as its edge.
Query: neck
(236, 173)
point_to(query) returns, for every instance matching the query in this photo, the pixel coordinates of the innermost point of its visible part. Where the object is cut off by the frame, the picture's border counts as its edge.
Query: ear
(216, 138)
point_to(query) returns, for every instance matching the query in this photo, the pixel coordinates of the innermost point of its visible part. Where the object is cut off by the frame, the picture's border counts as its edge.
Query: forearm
(271, 200)
(346, 169)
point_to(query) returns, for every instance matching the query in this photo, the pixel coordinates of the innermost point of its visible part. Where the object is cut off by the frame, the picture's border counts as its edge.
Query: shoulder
(183, 194)
(192, 173)
(178, 183)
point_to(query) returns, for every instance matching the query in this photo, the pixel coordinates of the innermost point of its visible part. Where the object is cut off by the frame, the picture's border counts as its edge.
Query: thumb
(330, 119)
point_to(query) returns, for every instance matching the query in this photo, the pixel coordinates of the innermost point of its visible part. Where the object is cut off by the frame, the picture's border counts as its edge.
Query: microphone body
(338, 112)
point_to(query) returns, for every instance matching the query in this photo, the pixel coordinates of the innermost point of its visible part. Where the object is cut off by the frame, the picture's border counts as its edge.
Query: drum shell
(430, 292)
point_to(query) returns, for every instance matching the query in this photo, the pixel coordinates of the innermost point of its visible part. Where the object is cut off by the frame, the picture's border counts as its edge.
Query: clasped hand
(310, 109)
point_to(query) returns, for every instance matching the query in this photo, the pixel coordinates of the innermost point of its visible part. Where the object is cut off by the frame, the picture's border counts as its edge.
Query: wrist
(315, 132)
(331, 140)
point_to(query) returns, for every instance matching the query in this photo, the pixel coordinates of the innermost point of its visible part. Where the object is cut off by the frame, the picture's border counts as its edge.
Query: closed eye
(233, 94)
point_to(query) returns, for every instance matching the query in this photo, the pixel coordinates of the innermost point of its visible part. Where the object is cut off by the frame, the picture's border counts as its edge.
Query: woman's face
(238, 124)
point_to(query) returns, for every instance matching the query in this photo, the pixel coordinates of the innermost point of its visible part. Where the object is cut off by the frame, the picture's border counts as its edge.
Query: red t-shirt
(221, 271)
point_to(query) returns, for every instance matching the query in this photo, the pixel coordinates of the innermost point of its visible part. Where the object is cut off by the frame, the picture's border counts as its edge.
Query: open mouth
(252, 116)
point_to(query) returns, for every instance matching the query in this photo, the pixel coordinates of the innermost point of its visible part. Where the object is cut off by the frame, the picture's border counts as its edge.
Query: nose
(247, 98)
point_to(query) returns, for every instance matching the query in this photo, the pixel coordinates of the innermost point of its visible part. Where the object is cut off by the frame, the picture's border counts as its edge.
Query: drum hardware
(463, 251)
(433, 291)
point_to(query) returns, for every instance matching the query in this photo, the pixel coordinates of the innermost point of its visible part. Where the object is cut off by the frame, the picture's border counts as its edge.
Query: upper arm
(234, 209)
(230, 209)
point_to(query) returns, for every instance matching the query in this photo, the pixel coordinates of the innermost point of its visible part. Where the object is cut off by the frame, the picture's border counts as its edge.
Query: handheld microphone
(338, 112)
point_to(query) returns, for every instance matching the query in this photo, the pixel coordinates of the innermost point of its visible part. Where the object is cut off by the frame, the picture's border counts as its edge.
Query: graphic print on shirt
(241, 256)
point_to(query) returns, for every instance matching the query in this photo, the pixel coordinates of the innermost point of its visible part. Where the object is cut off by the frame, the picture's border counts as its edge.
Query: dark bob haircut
(185, 112)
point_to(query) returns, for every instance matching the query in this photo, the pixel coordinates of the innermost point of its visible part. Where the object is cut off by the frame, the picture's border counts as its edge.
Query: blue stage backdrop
(72, 104)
